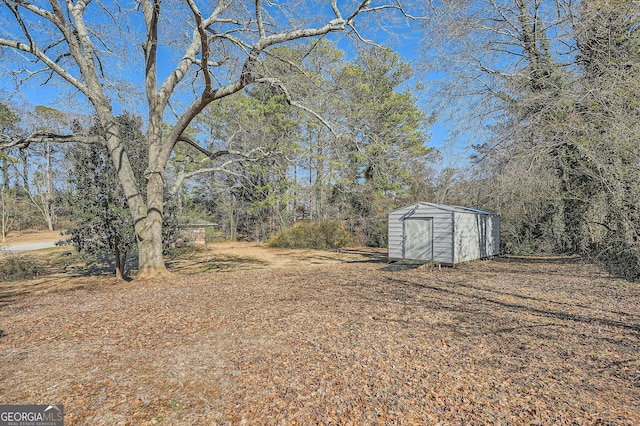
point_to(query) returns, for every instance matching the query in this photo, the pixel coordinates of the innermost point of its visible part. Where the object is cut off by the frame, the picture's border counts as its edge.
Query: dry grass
(16, 237)
(317, 340)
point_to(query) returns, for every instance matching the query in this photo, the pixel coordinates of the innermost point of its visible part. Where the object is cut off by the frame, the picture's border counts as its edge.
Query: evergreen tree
(102, 223)
(385, 144)
(8, 120)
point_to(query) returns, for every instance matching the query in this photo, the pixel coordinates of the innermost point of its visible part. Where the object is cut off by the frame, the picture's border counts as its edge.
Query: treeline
(346, 142)
(556, 86)
(341, 140)
(33, 181)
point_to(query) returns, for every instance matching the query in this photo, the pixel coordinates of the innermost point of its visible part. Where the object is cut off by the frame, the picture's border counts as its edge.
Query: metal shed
(443, 234)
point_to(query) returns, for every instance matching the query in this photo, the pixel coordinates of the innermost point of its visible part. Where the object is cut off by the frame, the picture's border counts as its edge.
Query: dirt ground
(241, 334)
(31, 237)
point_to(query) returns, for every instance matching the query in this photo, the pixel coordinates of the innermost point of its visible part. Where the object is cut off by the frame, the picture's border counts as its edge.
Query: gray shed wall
(458, 235)
(495, 235)
(477, 236)
(442, 232)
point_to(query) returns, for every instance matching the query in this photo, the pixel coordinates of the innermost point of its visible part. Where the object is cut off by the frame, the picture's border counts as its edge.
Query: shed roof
(449, 208)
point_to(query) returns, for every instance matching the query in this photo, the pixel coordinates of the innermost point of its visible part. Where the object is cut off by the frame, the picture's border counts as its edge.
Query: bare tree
(491, 53)
(7, 207)
(219, 50)
(505, 66)
(41, 188)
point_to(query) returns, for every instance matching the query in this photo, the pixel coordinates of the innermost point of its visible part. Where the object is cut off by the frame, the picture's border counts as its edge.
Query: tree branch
(189, 58)
(196, 145)
(48, 62)
(204, 46)
(239, 157)
(277, 83)
(43, 137)
(259, 19)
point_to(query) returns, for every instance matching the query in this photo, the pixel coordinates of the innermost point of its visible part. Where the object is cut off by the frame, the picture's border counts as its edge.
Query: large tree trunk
(147, 217)
(150, 254)
(151, 262)
(83, 69)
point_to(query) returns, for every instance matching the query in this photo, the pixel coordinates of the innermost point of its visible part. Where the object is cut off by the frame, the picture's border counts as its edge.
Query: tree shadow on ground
(404, 265)
(12, 292)
(524, 297)
(537, 259)
(368, 255)
(102, 265)
(488, 296)
(61, 270)
(201, 263)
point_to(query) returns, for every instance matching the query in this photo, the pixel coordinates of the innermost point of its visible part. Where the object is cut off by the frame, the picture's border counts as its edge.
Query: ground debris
(512, 341)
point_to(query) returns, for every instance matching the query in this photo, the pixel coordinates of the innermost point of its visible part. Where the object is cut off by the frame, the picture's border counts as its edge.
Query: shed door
(418, 238)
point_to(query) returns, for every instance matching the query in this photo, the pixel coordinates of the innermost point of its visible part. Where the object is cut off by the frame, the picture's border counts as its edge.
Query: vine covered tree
(8, 120)
(551, 87)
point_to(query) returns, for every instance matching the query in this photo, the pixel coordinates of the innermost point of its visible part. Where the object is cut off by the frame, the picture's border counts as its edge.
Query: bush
(212, 235)
(621, 259)
(312, 235)
(17, 267)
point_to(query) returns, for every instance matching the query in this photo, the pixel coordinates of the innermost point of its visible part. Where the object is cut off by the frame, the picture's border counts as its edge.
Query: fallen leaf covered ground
(508, 341)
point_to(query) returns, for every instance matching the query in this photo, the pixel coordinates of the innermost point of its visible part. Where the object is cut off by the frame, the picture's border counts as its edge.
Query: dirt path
(20, 237)
(17, 242)
(61, 269)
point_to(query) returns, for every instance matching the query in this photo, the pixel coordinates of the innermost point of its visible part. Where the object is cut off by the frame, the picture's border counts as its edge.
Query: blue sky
(455, 153)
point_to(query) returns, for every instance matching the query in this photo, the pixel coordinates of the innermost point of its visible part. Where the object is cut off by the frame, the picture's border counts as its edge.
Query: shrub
(312, 235)
(18, 267)
(621, 259)
(212, 235)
